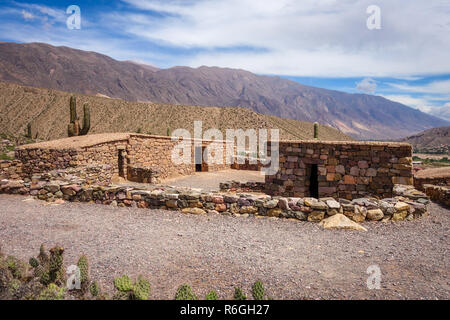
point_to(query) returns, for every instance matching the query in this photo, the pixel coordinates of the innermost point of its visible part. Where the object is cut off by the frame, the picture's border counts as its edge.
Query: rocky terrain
(436, 140)
(360, 115)
(48, 112)
(294, 259)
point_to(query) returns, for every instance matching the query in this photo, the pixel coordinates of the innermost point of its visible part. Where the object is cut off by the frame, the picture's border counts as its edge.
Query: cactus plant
(316, 130)
(258, 291)
(123, 283)
(239, 295)
(73, 128)
(212, 295)
(168, 132)
(83, 265)
(52, 292)
(94, 288)
(28, 132)
(56, 270)
(185, 292)
(42, 257)
(141, 289)
(33, 262)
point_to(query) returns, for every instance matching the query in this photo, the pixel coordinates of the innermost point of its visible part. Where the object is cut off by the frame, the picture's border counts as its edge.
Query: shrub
(185, 292)
(239, 295)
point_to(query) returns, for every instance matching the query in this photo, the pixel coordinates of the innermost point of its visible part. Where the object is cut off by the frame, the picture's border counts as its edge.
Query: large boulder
(340, 221)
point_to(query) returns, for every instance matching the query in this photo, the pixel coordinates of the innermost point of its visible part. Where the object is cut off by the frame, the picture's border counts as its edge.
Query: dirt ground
(295, 260)
(441, 172)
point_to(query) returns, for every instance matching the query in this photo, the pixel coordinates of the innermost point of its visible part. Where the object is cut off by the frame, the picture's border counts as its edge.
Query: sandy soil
(294, 259)
(441, 172)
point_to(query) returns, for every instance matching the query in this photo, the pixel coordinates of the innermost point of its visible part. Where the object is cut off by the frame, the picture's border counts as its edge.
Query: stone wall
(440, 194)
(11, 169)
(156, 152)
(407, 205)
(135, 150)
(441, 181)
(344, 169)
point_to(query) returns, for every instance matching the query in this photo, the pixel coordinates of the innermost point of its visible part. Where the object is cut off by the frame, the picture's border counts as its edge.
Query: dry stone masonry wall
(343, 170)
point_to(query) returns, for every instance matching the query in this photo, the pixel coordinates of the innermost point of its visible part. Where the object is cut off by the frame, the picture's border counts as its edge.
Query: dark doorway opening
(198, 159)
(314, 182)
(121, 164)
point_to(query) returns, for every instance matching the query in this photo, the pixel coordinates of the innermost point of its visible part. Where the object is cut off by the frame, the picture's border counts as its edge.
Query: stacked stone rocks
(440, 194)
(407, 205)
(11, 169)
(344, 169)
(237, 186)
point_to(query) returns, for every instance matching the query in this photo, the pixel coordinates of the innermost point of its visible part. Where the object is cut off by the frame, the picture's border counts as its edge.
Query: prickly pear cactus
(52, 292)
(239, 295)
(212, 295)
(141, 289)
(123, 283)
(94, 288)
(185, 292)
(258, 291)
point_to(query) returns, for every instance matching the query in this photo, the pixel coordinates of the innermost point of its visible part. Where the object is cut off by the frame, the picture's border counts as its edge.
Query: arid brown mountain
(47, 111)
(362, 116)
(431, 140)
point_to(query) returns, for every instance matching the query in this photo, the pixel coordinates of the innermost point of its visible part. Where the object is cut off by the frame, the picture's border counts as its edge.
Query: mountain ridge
(87, 72)
(47, 111)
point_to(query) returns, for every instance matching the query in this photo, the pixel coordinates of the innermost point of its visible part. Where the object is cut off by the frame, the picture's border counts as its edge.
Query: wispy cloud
(366, 85)
(303, 38)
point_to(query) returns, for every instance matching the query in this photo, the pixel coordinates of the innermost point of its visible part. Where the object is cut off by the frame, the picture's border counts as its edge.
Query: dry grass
(48, 112)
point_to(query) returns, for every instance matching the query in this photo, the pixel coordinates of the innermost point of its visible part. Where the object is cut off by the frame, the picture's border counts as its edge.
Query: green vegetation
(74, 128)
(212, 295)
(239, 295)
(185, 292)
(43, 278)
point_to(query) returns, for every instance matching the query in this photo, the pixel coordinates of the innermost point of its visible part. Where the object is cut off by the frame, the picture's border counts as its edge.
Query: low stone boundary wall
(407, 205)
(143, 174)
(420, 182)
(440, 194)
(252, 164)
(11, 169)
(236, 186)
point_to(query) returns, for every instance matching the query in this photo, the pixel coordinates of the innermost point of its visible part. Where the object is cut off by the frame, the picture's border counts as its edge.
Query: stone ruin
(316, 179)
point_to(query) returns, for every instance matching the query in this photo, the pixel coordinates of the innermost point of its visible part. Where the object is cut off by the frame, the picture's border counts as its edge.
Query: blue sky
(323, 43)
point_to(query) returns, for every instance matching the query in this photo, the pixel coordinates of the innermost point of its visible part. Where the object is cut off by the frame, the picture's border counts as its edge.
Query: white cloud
(366, 85)
(303, 38)
(434, 87)
(27, 15)
(424, 104)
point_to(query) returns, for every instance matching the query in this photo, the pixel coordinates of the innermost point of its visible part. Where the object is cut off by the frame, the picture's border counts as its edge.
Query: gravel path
(294, 259)
(209, 181)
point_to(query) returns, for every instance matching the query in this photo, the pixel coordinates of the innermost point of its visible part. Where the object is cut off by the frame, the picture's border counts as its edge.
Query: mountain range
(359, 115)
(47, 111)
(431, 140)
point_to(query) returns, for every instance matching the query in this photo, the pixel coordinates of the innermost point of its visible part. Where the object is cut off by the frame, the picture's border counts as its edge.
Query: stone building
(307, 168)
(340, 169)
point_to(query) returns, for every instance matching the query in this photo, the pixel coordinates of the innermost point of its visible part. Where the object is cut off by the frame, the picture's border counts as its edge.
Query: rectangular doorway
(121, 164)
(314, 182)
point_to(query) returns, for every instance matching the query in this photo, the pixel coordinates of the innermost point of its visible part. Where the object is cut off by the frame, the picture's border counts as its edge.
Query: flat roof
(79, 142)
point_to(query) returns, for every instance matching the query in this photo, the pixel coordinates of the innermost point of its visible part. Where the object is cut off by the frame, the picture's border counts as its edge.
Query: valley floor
(294, 259)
